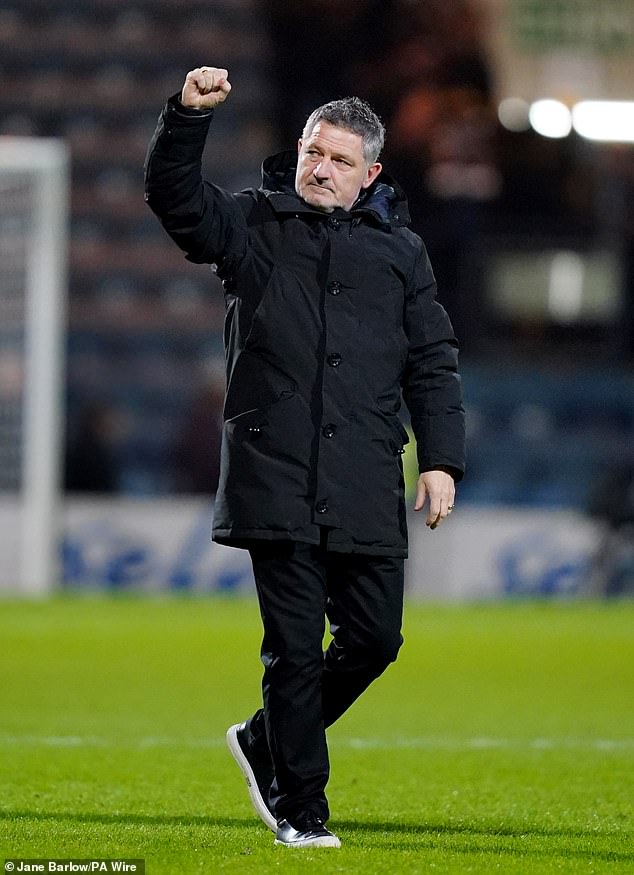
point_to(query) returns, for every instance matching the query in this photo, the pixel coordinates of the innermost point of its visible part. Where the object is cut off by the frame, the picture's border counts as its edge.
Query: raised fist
(205, 88)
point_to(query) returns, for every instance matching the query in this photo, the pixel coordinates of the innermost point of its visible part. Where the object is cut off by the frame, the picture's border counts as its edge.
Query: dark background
(550, 397)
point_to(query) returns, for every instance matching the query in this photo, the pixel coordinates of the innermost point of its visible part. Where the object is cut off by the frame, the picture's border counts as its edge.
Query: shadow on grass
(131, 819)
(400, 835)
(430, 831)
(472, 829)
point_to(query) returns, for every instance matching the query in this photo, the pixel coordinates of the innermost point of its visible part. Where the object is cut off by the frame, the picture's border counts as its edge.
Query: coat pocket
(267, 449)
(256, 418)
(255, 384)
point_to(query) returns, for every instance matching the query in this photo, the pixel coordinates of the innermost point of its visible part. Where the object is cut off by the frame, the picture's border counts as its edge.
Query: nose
(322, 170)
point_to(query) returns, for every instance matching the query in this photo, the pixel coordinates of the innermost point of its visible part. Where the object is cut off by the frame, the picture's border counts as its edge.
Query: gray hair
(354, 115)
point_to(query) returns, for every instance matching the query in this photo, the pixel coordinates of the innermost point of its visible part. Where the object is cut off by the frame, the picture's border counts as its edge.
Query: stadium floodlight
(550, 118)
(513, 114)
(607, 121)
(34, 189)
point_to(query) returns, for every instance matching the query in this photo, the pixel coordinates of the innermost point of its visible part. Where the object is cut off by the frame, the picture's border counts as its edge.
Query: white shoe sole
(254, 791)
(325, 842)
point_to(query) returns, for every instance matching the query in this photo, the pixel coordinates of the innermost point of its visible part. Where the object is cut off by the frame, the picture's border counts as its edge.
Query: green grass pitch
(501, 741)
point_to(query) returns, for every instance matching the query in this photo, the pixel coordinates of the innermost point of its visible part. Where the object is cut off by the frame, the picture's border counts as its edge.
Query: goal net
(34, 186)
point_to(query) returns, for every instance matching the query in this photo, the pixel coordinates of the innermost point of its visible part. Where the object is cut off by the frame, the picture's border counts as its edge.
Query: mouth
(321, 187)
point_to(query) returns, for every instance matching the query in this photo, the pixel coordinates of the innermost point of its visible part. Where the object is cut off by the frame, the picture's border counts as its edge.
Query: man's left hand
(439, 487)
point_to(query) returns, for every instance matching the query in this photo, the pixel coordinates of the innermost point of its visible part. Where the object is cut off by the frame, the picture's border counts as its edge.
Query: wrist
(187, 115)
(195, 110)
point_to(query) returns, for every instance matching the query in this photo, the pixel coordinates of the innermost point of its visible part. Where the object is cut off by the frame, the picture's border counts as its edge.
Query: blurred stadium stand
(551, 405)
(142, 320)
(545, 439)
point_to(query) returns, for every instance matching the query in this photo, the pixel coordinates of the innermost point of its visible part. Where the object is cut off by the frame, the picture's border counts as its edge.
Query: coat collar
(384, 202)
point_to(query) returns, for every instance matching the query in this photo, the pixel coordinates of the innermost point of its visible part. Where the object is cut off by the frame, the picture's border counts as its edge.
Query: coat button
(334, 288)
(334, 359)
(334, 223)
(321, 507)
(329, 430)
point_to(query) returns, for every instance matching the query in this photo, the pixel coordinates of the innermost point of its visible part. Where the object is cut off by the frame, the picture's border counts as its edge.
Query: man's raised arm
(203, 219)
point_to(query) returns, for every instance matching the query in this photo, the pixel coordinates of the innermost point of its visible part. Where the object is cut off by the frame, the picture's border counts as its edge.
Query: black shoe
(257, 770)
(309, 832)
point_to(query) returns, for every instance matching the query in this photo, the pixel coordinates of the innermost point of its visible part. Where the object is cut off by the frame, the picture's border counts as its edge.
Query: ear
(371, 174)
(299, 145)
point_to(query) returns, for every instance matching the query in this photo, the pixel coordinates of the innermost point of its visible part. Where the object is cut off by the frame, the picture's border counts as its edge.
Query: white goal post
(34, 206)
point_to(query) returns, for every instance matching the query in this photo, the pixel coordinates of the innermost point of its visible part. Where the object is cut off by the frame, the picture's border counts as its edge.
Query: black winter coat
(329, 318)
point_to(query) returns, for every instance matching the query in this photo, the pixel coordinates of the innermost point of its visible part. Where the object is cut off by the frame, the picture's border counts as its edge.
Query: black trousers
(304, 689)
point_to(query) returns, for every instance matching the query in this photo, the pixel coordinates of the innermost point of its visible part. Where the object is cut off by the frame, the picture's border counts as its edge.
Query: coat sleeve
(431, 383)
(206, 221)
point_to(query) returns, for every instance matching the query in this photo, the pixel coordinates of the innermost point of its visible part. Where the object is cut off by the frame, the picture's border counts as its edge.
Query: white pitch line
(360, 744)
(489, 743)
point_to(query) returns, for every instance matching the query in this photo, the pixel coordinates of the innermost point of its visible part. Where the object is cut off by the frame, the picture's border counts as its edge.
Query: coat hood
(384, 200)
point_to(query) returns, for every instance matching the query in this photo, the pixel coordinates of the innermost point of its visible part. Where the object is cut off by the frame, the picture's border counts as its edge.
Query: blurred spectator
(90, 464)
(195, 457)
(615, 216)
(613, 504)
(443, 136)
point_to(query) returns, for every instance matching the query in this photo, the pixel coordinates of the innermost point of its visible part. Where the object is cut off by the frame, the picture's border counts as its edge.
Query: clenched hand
(205, 88)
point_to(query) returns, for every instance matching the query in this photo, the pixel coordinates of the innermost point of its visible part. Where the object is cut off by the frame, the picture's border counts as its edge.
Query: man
(330, 316)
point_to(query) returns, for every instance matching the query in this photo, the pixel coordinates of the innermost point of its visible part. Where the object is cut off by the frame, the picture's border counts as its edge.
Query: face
(331, 169)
